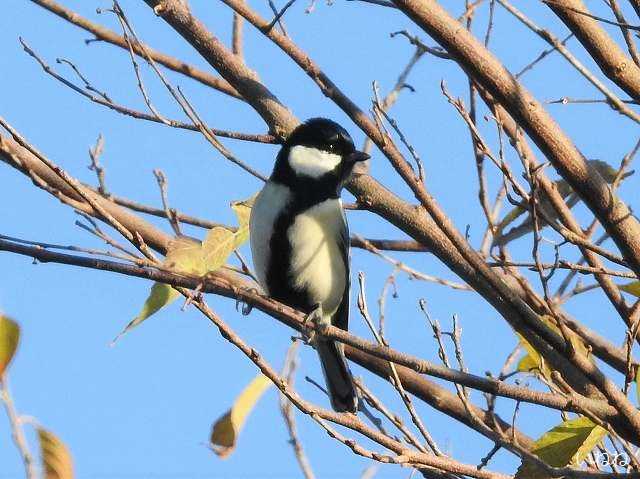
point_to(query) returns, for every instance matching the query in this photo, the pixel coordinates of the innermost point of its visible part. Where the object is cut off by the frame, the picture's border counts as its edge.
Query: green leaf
(56, 459)
(161, 295)
(185, 256)
(568, 443)
(9, 338)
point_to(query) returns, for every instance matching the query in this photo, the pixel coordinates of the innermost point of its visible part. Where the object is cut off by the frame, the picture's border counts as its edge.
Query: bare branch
(606, 53)
(16, 429)
(106, 35)
(94, 154)
(286, 408)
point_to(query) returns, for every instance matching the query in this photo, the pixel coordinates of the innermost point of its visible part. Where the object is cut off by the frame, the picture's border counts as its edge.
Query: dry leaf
(9, 338)
(224, 433)
(56, 459)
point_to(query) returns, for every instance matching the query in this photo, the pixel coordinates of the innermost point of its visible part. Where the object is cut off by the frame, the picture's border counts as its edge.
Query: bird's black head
(319, 154)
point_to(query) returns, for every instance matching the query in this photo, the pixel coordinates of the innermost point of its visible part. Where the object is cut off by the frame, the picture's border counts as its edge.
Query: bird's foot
(194, 295)
(309, 324)
(246, 308)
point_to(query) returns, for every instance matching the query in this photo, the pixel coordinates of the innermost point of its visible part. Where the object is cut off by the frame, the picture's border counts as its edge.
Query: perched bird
(300, 238)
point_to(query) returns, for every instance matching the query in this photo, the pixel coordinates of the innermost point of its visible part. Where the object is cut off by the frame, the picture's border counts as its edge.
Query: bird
(300, 239)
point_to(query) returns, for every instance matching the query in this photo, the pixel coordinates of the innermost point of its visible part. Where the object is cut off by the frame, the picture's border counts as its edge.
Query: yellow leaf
(605, 170)
(220, 242)
(217, 246)
(224, 433)
(56, 459)
(638, 385)
(509, 218)
(566, 444)
(528, 363)
(242, 210)
(9, 337)
(533, 362)
(184, 256)
(632, 288)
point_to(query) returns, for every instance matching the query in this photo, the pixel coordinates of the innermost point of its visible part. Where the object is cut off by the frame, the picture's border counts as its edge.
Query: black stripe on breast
(279, 266)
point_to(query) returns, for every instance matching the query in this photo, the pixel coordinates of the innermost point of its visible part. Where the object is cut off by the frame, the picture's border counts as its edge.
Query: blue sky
(143, 408)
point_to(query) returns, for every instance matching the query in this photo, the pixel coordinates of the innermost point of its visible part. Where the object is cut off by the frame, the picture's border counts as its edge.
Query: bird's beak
(358, 156)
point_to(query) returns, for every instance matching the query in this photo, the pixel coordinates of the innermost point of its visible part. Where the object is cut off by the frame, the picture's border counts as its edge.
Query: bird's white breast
(268, 205)
(317, 260)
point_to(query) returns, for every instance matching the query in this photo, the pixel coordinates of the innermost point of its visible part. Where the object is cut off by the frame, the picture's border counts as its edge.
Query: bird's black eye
(332, 146)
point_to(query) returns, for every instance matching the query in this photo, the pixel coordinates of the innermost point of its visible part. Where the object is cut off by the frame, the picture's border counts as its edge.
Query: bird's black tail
(342, 391)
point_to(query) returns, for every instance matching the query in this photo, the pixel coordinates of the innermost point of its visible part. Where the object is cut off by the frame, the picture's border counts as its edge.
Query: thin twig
(278, 16)
(16, 429)
(286, 408)
(236, 39)
(138, 114)
(94, 154)
(415, 274)
(414, 40)
(394, 378)
(628, 38)
(400, 85)
(189, 110)
(612, 98)
(221, 286)
(590, 15)
(542, 56)
(170, 213)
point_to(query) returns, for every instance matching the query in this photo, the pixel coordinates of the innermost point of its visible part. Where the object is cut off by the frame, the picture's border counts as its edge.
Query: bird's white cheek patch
(311, 161)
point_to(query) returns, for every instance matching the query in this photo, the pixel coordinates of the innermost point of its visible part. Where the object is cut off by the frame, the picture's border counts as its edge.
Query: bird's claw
(246, 308)
(309, 323)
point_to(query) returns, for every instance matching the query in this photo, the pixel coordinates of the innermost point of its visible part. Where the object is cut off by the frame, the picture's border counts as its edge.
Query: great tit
(300, 238)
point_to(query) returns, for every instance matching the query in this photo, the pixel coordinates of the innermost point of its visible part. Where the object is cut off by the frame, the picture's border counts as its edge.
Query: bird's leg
(246, 307)
(194, 295)
(314, 317)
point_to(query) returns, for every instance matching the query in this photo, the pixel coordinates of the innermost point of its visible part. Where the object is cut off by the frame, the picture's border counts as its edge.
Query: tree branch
(488, 72)
(113, 38)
